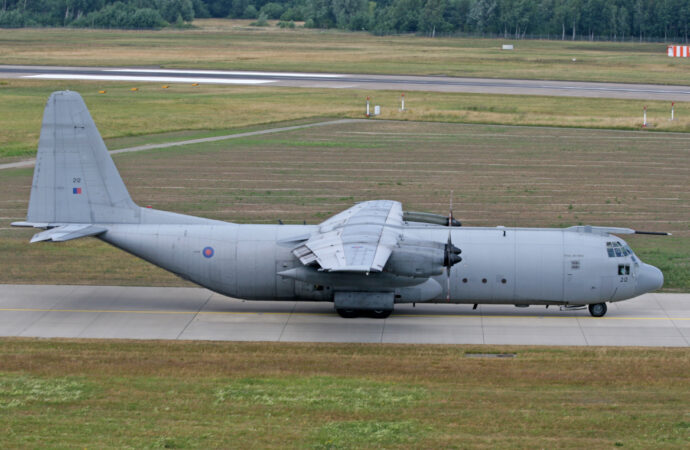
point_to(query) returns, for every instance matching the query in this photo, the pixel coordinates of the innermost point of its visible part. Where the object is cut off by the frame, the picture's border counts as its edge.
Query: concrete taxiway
(354, 81)
(198, 314)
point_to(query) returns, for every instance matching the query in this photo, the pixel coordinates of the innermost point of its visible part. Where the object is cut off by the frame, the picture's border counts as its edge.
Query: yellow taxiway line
(477, 316)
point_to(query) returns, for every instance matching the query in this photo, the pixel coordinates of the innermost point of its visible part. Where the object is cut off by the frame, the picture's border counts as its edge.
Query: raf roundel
(207, 252)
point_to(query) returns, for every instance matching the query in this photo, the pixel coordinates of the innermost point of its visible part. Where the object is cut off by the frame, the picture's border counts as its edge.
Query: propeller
(451, 254)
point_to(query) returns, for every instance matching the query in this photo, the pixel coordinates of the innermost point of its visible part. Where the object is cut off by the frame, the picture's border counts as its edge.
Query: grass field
(153, 114)
(223, 44)
(500, 175)
(91, 394)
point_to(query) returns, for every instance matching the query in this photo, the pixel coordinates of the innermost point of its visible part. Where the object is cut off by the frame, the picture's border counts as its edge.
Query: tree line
(515, 19)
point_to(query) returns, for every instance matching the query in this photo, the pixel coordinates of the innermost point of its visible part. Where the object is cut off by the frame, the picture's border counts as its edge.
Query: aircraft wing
(359, 239)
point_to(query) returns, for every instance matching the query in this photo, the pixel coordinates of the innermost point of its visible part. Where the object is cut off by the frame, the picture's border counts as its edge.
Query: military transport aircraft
(364, 259)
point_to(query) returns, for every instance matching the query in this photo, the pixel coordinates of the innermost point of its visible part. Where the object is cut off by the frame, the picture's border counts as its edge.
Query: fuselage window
(623, 269)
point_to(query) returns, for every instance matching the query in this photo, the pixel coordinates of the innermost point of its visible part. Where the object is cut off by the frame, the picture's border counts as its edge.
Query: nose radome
(650, 279)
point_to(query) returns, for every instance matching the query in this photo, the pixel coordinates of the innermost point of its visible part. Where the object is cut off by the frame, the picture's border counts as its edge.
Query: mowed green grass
(499, 175)
(223, 44)
(153, 114)
(105, 394)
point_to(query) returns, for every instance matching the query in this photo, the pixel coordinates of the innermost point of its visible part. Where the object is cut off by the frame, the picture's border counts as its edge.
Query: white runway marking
(228, 72)
(85, 77)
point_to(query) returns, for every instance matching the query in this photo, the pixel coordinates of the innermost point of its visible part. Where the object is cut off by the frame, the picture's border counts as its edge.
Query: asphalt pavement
(401, 83)
(111, 312)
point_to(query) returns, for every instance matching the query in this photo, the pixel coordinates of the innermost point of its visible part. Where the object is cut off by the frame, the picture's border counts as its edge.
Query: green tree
(432, 18)
(482, 14)
(350, 14)
(170, 9)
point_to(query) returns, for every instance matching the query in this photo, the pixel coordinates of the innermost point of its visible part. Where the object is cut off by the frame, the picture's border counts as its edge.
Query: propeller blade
(449, 247)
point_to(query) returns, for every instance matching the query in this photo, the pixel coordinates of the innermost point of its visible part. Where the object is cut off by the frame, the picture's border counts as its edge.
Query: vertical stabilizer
(75, 179)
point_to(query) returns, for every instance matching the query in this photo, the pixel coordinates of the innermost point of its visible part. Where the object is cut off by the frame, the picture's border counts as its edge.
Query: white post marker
(402, 102)
(367, 106)
(673, 105)
(644, 117)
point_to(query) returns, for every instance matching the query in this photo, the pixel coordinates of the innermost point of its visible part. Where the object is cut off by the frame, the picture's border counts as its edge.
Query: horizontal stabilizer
(68, 232)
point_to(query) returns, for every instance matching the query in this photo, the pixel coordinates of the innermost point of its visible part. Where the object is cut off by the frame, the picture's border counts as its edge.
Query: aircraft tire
(347, 313)
(380, 313)
(597, 309)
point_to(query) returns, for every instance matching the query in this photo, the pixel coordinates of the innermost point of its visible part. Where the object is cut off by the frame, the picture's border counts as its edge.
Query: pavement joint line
(208, 299)
(45, 313)
(285, 324)
(582, 332)
(402, 315)
(675, 325)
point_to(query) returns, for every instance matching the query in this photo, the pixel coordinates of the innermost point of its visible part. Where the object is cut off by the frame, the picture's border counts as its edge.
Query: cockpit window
(617, 250)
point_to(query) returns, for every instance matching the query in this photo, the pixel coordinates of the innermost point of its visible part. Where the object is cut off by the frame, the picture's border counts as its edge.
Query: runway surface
(353, 81)
(198, 314)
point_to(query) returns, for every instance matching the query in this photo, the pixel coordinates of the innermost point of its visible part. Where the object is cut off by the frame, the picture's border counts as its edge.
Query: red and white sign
(679, 51)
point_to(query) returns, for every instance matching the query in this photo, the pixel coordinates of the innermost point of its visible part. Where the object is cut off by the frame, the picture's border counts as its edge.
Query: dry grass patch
(190, 394)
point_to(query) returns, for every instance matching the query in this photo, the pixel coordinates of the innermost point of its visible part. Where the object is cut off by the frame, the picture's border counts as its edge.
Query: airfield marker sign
(679, 51)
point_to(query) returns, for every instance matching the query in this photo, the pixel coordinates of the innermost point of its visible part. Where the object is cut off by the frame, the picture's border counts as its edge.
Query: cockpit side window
(609, 249)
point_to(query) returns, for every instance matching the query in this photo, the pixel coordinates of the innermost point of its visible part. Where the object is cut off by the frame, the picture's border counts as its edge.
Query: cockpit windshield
(618, 250)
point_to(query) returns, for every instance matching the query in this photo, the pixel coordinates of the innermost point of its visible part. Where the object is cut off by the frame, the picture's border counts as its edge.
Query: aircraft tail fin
(75, 179)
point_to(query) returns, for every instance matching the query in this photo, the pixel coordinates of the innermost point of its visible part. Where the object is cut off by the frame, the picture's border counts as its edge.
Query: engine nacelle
(416, 260)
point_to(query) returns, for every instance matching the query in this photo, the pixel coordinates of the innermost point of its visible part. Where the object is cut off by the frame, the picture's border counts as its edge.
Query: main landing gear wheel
(597, 309)
(380, 313)
(347, 313)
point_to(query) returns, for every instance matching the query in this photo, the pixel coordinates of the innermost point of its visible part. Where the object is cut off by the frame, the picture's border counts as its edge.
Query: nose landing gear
(597, 309)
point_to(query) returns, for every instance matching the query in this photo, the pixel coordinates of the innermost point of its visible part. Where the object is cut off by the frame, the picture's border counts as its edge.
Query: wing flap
(359, 239)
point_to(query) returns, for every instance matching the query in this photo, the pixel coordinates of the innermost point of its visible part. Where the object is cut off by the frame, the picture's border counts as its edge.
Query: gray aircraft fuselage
(500, 265)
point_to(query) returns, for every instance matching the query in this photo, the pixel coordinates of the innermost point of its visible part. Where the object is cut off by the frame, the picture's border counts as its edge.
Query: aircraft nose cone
(650, 279)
